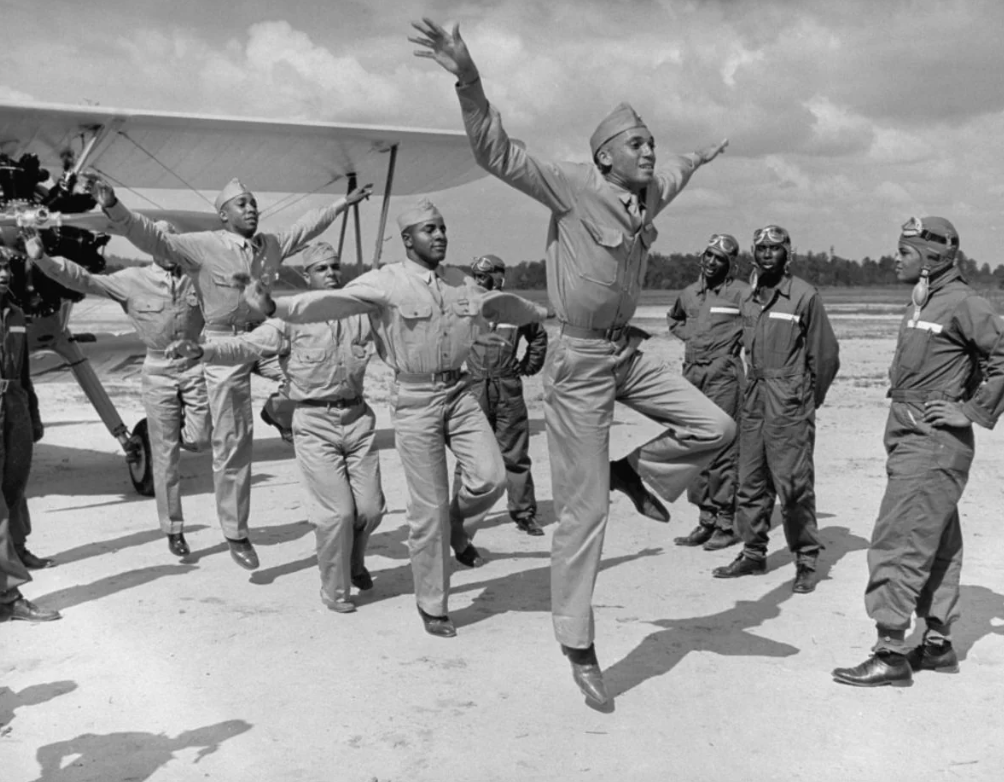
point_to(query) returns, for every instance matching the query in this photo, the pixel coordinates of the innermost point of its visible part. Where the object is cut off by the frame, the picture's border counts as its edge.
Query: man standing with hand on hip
(211, 259)
(597, 251)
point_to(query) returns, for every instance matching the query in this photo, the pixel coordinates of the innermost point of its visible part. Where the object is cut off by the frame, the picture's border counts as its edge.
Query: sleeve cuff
(978, 415)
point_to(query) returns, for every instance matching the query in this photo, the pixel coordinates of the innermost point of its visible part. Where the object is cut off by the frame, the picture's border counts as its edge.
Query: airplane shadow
(32, 695)
(727, 633)
(132, 755)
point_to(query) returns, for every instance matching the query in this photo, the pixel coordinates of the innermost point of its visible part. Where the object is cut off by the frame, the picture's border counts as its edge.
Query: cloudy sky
(844, 117)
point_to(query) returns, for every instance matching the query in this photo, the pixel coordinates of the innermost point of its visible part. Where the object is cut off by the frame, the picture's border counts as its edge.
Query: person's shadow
(980, 607)
(726, 633)
(132, 755)
(10, 701)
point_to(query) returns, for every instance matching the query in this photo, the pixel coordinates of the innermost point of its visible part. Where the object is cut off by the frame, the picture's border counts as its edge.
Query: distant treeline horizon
(678, 270)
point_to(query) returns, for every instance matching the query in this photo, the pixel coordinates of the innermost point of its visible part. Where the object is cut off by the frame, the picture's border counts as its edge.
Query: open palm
(445, 47)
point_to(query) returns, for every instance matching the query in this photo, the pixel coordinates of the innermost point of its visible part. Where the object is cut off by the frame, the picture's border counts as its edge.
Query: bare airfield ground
(168, 670)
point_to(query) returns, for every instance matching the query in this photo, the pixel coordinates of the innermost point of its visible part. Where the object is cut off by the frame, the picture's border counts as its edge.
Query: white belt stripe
(926, 325)
(724, 310)
(784, 316)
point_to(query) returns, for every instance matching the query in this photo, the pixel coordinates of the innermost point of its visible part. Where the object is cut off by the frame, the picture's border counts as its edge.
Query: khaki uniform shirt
(599, 235)
(950, 349)
(212, 258)
(322, 361)
(424, 321)
(162, 305)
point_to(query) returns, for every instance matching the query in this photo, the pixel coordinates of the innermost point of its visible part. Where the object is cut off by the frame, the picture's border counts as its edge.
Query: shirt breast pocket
(913, 349)
(309, 366)
(602, 268)
(147, 309)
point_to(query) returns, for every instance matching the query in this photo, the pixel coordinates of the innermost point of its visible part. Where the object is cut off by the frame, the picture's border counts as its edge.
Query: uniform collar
(421, 271)
(237, 240)
(783, 288)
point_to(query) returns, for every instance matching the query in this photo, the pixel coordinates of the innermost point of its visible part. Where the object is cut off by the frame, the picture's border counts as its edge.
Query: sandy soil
(168, 670)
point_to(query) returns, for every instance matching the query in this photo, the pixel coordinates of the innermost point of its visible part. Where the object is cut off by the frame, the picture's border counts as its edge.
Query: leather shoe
(698, 536)
(721, 539)
(471, 557)
(589, 677)
(32, 562)
(623, 478)
(243, 553)
(741, 566)
(26, 611)
(933, 657)
(341, 606)
(441, 626)
(284, 433)
(178, 545)
(362, 580)
(805, 580)
(529, 525)
(879, 669)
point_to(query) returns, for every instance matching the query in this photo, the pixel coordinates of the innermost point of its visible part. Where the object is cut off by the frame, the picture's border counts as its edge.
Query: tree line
(676, 271)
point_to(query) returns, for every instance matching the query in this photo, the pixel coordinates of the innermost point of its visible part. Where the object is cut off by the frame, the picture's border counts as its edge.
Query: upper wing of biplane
(160, 150)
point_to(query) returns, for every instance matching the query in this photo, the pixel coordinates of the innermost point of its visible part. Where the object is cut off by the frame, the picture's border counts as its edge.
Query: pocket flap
(606, 237)
(415, 310)
(148, 305)
(223, 279)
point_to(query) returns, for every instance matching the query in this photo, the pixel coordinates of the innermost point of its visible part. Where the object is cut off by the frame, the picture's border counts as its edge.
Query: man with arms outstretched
(597, 251)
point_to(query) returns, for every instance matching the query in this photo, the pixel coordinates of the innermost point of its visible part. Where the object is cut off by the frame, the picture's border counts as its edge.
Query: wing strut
(385, 208)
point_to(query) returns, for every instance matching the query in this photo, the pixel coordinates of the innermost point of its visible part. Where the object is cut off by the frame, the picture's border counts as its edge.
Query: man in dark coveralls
(946, 375)
(495, 369)
(792, 357)
(20, 428)
(707, 318)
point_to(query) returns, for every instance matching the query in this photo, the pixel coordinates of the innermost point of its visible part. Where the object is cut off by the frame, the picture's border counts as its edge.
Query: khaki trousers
(229, 392)
(428, 419)
(340, 470)
(177, 410)
(581, 382)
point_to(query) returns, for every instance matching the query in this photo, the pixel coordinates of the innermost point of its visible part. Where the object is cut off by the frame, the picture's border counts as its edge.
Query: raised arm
(493, 149)
(503, 307)
(74, 276)
(364, 295)
(167, 249)
(267, 340)
(316, 221)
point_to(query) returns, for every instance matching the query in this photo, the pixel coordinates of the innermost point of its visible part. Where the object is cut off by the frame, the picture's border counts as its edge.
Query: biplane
(45, 148)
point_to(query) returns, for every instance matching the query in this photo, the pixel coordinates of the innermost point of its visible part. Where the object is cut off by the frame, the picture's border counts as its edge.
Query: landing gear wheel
(138, 460)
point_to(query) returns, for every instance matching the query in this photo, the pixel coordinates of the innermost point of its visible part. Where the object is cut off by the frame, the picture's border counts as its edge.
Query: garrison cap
(616, 122)
(315, 253)
(233, 189)
(421, 212)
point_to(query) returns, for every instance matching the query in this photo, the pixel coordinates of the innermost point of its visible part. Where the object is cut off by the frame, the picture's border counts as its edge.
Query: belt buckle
(4, 385)
(614, 333)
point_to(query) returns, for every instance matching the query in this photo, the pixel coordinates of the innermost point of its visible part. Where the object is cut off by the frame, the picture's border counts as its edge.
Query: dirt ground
(188, 670)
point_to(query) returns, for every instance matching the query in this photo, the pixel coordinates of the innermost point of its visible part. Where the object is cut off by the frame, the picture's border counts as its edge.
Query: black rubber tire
(141, 472)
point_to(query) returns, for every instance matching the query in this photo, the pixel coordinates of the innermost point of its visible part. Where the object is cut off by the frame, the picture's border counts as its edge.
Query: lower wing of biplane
(142, 152)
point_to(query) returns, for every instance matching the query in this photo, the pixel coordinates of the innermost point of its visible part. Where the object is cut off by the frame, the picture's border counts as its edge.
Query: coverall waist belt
(921, 395)
(763, 373)
(230, 328)
(446, 376)
(703, 357)
(612, 334)
(341, 404)
(508, 374)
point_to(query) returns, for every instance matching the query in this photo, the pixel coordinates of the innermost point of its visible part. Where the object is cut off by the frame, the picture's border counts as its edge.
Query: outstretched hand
(359, 194)
(183, 348)
(712, 151)
(445, 47)
(100, 190)
(255, 294)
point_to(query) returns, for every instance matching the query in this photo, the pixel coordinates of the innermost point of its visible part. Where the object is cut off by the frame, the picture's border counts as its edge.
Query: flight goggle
(486, 266)
(772, 234)
(915, 227)
(723, 245)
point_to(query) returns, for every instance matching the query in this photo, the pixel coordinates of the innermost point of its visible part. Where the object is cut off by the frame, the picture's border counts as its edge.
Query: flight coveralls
(211, 258)
(19, 419)
(915, 558)
(496, 372)
(709, 322)
(333, 430)
(424, 322)
(792, 357)
(597, 252)
(162, 306)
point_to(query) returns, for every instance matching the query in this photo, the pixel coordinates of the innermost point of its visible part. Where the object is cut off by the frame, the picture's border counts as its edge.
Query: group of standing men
(426, 320)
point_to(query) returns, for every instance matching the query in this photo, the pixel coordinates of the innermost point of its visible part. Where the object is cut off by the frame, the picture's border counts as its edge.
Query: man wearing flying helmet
(938, 391)
(495, 370)
(792, 357)
(706, 317)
